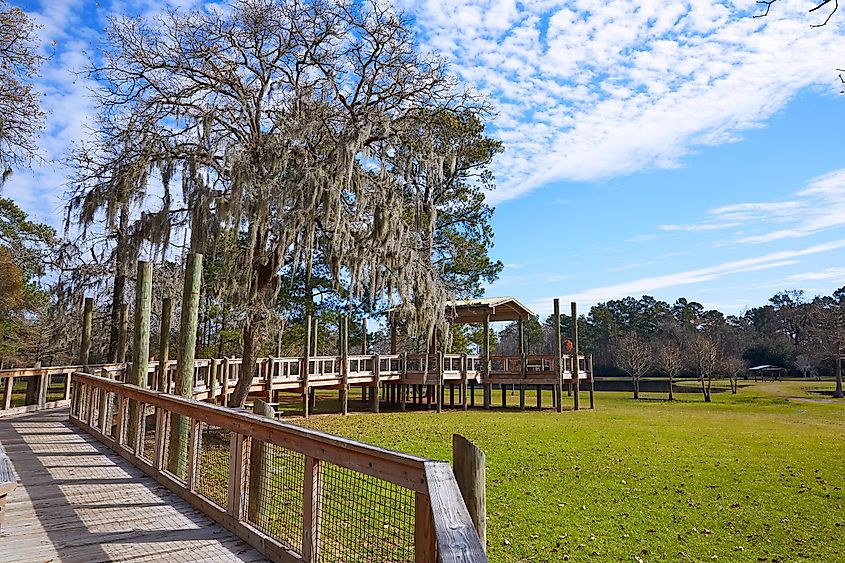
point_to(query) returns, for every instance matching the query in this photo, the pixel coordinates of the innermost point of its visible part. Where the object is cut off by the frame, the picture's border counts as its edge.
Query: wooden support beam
(186, 354)
(464, 378)
(576, 367)
(592, 387)
(522, 367)
(558, 357)
(439, 389)
(140, 342)
(306, 403)
(374, 398)
(343, 333)
(485, 361)
(165, 322)
(539, 397)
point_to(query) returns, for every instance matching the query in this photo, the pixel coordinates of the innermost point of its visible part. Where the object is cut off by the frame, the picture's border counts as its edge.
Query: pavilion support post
(364, 347)
(472, 393)
(451, 395)
(404, 387)
(539, 389)
(305, 367)
(315, 345)
(163, 383)
(394, 338)
(504, 395)
(140, 343)
(374, 398)
(522, 367)
(485, 352)
(186, 354)
(440, 381)
(464, 377)
(558, 356)
(343, 333)
(576, 362)
(592, 387)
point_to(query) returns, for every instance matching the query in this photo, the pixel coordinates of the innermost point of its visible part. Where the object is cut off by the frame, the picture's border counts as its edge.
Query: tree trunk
(121, 259)
(250, 356)
(671, 384)
(707, 398)
(636, 383)
(838, 392)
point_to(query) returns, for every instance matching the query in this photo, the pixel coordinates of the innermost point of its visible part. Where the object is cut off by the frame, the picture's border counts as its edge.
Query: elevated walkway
(78, 501)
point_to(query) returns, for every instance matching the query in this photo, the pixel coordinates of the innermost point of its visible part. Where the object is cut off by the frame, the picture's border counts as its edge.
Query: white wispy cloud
(649, 284)
(828, 274)
(818, 207)
(592, 89)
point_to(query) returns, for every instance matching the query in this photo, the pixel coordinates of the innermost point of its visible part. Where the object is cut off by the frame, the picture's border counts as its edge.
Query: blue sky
(660, 147)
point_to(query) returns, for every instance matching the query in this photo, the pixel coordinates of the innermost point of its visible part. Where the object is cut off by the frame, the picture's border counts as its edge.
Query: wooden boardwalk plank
(76, 501)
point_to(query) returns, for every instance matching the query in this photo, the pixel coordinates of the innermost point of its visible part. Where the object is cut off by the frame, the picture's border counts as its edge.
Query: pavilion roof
(475, 310)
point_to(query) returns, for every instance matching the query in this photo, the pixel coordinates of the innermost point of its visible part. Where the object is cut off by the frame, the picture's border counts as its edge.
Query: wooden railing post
(312, 510)
(470, 467)
(260, 464)
(194, 451)
(424, 538)
(227, 366)
(7, 392)
(239, 446)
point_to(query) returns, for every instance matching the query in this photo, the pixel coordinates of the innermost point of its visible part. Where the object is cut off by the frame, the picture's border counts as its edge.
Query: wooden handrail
(441, 514)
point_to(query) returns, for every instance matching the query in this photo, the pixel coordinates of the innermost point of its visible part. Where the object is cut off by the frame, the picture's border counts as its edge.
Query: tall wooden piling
(140, 344)
(470, 467)
(306, 403)
(440, 381)
(187, 343)
(523, 370)
(165, 322)
(576, 363)
(343, 332)
(558, 357)
(485, 351)
(374, 397)
(592, 387)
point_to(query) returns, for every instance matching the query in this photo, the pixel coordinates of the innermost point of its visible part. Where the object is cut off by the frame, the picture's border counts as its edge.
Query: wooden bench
(7, 480)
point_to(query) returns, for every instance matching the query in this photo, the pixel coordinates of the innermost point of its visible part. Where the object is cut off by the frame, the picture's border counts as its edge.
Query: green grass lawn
(749, 477)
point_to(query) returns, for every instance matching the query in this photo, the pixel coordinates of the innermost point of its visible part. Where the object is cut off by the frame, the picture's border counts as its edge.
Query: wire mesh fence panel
(109, 418)
(275, 492)
(94, 407)
(128, 415)
(148, 426)
(176, 446)
(364, 518)
(56, 387)
(213, 470)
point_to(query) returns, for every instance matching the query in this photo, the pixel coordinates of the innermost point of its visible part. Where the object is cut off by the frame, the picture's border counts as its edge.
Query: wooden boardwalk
(76, 501)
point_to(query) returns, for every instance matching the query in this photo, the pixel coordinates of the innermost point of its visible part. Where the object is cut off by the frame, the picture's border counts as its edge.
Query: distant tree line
(647, 337)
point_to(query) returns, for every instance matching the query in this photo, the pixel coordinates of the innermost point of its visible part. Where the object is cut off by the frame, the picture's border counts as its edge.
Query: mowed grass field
(750, 477)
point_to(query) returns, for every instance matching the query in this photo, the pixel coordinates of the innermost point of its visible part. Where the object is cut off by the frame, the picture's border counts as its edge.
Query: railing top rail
(457, 540)
(395, 467)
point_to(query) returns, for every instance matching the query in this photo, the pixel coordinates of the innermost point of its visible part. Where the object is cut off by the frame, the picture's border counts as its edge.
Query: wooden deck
(76, 501)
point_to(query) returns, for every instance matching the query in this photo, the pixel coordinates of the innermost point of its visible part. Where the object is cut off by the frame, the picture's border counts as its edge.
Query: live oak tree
(828, 332)
(21, 117)
(304, 126)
